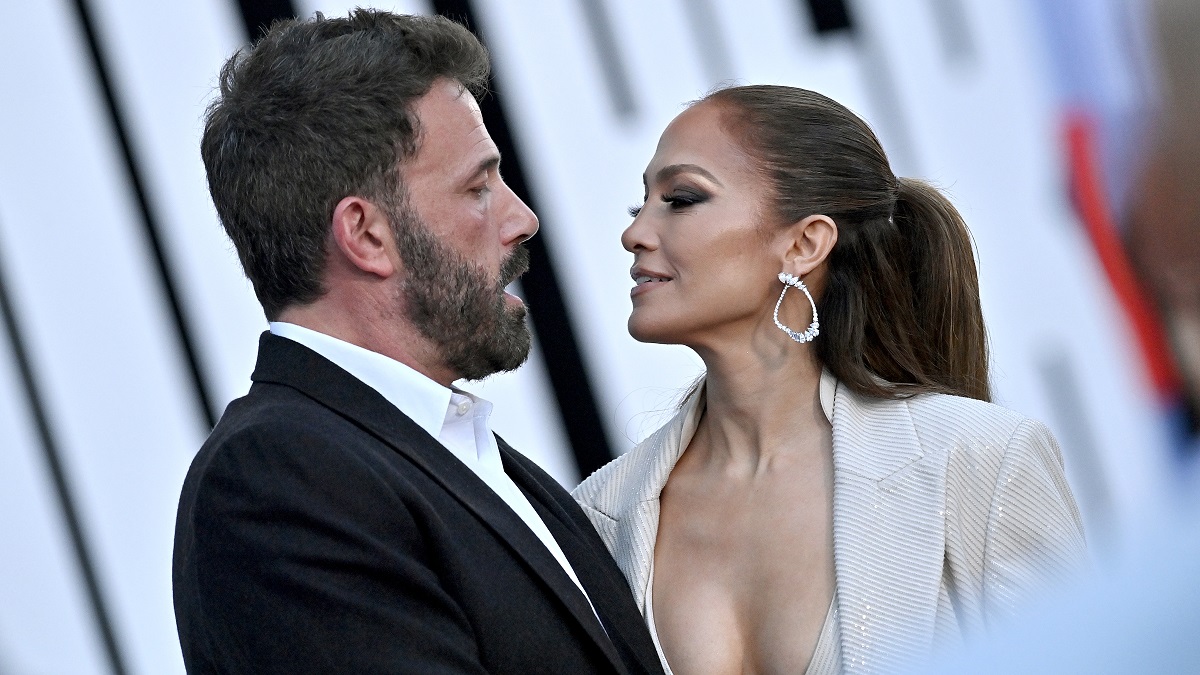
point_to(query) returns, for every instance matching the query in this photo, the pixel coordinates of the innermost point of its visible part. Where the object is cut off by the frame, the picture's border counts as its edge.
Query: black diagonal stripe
(258, 15)
(713, 50)
(151, 226)
(608, 55)
(62, 491)
(1061, 381)
(547, 306)
(954, 29)
(835, 17)
(829, 15)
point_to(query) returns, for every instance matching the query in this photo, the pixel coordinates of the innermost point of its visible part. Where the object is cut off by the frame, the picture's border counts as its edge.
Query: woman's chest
(743, 579)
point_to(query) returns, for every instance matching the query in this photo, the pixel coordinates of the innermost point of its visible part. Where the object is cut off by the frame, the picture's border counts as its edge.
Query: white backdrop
(960, 91)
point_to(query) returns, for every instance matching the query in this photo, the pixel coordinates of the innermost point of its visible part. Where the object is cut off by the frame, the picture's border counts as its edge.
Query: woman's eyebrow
(668, 172)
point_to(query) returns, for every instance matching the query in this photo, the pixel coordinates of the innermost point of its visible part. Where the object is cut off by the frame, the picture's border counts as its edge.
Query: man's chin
(519, 342)
(507, 348)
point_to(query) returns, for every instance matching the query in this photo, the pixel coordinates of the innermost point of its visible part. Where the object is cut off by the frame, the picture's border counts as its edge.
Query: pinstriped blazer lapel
(637, 528)
(888, 534)
(888, 527)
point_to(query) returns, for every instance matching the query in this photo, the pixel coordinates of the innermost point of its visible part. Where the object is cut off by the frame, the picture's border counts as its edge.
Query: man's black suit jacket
(321, 530)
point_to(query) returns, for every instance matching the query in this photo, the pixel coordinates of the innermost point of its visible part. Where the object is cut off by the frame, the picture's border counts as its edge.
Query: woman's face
(705, 256)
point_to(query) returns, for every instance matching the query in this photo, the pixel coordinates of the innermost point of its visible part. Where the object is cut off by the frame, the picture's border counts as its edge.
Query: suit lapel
(582, 556)
(637, 526)
(888, 534)
(282, 361)
(888, 529)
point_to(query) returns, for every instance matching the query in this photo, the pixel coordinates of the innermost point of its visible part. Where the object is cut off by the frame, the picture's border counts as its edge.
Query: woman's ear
(363, 236)
(808, 243)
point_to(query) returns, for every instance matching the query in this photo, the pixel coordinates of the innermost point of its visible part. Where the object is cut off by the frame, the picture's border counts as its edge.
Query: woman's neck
(760, 403)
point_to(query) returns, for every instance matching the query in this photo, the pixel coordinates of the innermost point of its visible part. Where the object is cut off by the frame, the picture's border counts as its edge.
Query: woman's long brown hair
(900, 314)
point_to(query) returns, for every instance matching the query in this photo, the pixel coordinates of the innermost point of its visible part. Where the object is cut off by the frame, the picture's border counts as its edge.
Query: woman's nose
(637, 236)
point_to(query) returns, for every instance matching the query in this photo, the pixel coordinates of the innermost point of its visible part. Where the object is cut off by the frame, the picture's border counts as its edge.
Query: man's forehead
(451, 126)
(447, 100)
(467, 97)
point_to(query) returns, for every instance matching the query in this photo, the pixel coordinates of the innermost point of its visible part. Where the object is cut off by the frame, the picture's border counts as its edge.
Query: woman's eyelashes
(677, 200)
(681, 199)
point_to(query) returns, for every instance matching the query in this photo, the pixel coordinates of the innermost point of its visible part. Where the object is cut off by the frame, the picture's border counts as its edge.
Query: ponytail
(945, 286)
(900, 313)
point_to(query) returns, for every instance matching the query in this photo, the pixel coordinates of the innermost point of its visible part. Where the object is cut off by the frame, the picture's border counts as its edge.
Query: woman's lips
(646, 286)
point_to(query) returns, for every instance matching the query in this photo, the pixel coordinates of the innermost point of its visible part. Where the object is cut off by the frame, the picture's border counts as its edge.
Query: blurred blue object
(1142, 616)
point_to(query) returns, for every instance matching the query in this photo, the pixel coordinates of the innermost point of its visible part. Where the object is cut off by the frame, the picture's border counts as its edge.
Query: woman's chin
(644, 331)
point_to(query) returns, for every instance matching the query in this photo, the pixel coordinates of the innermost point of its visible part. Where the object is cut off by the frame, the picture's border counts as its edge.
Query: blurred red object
(1091, 203)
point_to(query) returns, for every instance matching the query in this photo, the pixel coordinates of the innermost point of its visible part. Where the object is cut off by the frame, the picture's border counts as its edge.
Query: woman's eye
(635, 210)
(679, 200)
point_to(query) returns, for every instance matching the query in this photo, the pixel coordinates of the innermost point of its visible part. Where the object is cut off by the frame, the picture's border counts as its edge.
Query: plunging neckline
(826, 659)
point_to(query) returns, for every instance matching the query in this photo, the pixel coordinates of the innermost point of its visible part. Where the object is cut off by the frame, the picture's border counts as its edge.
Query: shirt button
(464, 407)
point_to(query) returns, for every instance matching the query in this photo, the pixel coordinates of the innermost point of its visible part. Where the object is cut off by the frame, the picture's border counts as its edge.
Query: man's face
(458, 236)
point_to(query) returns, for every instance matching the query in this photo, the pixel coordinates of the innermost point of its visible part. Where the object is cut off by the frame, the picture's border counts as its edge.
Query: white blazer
(948, 513)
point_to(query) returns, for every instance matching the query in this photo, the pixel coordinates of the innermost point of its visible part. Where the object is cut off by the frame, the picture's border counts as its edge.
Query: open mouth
(646, 279)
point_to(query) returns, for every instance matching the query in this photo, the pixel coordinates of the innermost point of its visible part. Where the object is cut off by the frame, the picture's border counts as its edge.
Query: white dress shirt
(460, 421)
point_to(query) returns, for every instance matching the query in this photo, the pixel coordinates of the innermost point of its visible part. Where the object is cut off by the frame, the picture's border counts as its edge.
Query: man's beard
(457, 305)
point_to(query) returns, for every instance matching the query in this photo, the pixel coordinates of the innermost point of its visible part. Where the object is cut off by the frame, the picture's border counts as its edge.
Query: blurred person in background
(1142, 613)
(836, 497)
(354, 513)
(1164, 218)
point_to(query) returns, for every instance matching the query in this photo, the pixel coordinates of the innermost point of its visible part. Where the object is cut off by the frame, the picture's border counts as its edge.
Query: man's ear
(808, 243)
(363, 235)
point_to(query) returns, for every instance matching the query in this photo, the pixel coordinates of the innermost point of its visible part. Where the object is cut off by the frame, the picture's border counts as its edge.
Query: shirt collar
(464, 404)
(422, 399)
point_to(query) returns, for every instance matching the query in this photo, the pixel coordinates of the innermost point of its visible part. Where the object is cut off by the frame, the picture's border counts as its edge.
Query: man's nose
(520, 222)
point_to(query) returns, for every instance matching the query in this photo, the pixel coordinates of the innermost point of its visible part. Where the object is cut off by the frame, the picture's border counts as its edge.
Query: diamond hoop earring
(814, 328)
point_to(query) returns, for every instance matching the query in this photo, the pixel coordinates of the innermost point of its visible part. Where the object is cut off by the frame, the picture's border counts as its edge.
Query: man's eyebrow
(672, 170)
(485, 166)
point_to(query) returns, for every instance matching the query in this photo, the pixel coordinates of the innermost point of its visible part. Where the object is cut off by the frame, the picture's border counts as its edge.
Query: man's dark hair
(315, 111)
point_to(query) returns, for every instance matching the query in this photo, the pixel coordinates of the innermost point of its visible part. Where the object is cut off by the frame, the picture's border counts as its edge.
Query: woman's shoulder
(1012, 524)
(959, 416)
(971, 430)
(941, 420)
